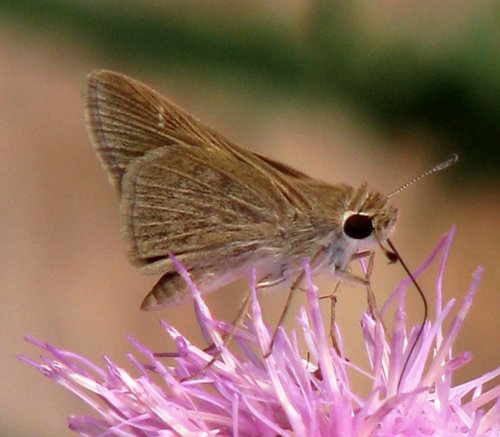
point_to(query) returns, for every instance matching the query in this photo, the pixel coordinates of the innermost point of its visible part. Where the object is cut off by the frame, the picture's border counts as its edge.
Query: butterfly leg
(269, 280)
(288, 302)
(294, 287)
(366, 281)
(333, 303)
(345, 275)
(370, 295)
(227, 339)
(171, 289)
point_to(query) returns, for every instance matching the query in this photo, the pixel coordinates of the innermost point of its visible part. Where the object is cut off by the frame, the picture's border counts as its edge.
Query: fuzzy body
(219, 208)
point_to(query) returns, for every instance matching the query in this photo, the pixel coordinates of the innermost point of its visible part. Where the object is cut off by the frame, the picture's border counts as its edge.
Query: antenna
(438, 167)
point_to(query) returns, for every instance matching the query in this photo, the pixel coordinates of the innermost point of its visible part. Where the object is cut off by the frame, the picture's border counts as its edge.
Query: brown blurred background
(347, 94)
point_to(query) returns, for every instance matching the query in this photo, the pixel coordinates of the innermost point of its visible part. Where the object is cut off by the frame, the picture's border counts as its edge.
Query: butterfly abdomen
(169, 290)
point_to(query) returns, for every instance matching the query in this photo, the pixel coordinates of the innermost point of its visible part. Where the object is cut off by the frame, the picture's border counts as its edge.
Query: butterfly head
(370, 219)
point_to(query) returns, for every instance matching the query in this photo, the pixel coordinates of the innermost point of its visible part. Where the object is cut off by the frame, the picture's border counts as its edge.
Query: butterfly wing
(183, 200)
(185, 189)
(126, 118)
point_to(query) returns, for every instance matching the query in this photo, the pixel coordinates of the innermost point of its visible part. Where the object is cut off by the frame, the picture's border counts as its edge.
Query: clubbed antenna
(438, 167)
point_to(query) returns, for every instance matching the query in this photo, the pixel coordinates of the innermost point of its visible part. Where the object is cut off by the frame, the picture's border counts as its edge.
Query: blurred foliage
(452, 92)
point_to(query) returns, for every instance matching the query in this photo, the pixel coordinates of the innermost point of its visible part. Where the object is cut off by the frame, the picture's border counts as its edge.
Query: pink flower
(245, 395)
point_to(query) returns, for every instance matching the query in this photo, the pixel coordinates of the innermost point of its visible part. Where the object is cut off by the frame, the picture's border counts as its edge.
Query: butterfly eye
(358, 226)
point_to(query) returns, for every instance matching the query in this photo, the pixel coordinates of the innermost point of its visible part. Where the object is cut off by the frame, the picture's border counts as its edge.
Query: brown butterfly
(218, 207)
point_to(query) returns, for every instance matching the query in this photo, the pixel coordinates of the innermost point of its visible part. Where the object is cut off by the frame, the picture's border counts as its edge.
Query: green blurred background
(346, 91)
(434, 68)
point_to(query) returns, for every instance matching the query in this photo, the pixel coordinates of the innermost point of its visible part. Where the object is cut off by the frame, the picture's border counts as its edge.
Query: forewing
(126, 119)
(200, 205)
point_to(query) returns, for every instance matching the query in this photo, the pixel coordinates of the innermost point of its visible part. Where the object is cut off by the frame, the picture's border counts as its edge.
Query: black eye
(358, 226)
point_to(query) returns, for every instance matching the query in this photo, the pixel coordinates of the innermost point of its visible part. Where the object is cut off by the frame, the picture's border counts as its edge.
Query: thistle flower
(246, 395)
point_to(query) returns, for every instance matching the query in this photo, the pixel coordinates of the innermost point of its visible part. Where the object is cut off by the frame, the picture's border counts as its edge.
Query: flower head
(245, 394)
